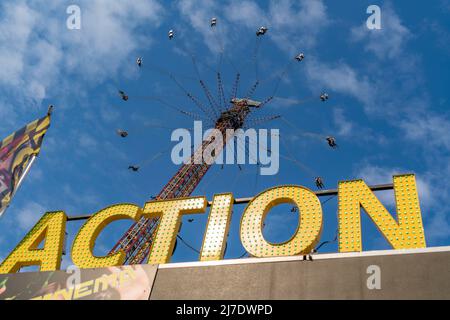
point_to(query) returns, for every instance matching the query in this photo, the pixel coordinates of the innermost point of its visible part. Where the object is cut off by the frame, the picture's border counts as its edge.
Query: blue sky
(388, 104)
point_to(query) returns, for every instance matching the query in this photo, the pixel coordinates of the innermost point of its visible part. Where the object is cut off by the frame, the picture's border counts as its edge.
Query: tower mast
(137, 241)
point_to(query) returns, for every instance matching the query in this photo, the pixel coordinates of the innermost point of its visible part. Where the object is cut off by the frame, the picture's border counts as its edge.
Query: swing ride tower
(137, 241)
(224, 114)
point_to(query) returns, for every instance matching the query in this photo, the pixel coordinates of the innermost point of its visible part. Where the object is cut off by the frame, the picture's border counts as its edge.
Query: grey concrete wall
(404, 276)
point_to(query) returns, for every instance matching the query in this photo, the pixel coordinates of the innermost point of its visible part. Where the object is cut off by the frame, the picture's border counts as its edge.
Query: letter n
(405, 233)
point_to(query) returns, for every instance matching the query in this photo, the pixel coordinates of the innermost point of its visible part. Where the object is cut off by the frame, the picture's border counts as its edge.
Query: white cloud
(108, 114)
(109, 34)
(86, 141)
(199, 14)
(297, 23)
(37, 48)
(439, 227)
(441, 34)
(280, 102)
(345, 127)
(87, 197)
(429, 129)
(247, 13)
(29, 214)
(279, 225)
(9, 118)
(433, 195)
(348, 128)
(387, 42)
(291, 23)
(339, 77)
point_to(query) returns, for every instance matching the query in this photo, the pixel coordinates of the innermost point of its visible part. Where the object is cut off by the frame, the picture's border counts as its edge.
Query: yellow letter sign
(308, 230)
(407, 233)
(215, 239)
(84, 242)
(169, 223)
(49, 229)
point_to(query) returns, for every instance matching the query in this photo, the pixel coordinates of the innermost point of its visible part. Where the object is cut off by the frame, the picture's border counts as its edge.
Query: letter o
(308, 229)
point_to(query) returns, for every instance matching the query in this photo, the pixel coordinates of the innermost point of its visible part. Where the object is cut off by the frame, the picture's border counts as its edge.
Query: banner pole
(27, 169)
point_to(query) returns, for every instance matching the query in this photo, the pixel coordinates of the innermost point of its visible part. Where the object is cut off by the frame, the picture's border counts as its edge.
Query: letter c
(83, 245)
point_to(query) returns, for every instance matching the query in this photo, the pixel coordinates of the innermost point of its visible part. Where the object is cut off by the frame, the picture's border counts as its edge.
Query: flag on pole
(17, 153)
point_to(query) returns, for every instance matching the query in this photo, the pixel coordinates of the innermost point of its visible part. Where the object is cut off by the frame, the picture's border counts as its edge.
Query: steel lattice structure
(137, 241)
(232, 114)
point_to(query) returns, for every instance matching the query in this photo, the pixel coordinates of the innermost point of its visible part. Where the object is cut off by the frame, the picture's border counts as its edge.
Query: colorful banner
(16, 153)
(115, 283)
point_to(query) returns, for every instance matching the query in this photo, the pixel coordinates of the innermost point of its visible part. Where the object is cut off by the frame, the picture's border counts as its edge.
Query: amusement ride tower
(224, 114)
(137, 241)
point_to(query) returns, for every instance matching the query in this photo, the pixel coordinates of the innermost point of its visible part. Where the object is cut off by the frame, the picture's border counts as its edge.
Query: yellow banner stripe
(38, 125)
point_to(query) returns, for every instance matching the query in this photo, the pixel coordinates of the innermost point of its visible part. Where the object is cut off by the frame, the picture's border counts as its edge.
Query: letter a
(74, 20)
(374, 21)
(51, 227)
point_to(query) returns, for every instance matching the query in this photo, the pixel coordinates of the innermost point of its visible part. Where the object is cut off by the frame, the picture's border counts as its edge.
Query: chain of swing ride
(137, 241)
